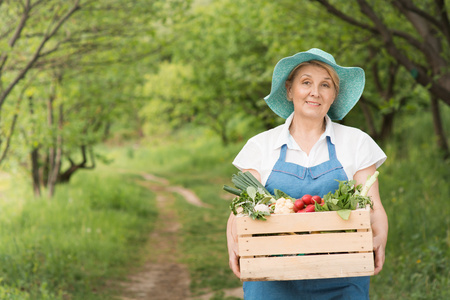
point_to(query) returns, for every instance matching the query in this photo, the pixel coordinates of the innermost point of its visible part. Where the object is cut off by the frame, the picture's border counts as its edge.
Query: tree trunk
(11, 131)
(34, 157)
(387, 126)
(368, 117)
(224, 136)
(439, 129)
(54, 172)
(35, 172)
(51, 149)
(66, 175)
(106, 131)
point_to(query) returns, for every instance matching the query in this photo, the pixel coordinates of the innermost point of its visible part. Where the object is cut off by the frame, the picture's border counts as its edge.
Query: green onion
(231, 190)
(242, 181)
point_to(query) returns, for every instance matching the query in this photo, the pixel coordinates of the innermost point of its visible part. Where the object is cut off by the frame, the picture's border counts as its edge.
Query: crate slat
(306, 267)
(320, 221)
(305, 243)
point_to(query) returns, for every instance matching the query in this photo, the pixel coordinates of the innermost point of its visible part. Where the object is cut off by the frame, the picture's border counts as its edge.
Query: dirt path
(161, 277)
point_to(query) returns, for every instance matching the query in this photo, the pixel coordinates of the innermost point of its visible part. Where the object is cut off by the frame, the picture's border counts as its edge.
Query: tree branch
(407, 37)
(438, 88)
(65, 176)
(445, 23)
(393, 69)
(411, 7)
(430, 37)
(37, 53)
(376, 74)
(368, 117)
(334, 11)
(421, 74)
(23, 21)
(441, 24)
(11, 130)
(17, 32)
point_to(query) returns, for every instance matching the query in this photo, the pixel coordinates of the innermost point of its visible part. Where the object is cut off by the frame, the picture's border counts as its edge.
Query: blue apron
(297, 181)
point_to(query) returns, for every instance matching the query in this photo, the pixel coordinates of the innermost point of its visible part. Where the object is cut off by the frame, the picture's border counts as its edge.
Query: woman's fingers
(378, 251)
(234, 264)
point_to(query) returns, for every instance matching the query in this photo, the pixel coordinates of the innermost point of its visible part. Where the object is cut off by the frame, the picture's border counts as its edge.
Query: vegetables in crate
(252, 199)
(348, 197)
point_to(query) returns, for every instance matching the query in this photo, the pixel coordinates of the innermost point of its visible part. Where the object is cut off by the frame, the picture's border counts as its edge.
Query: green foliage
(84, 83)
(67, 246)
(228, 68)
(230, 58)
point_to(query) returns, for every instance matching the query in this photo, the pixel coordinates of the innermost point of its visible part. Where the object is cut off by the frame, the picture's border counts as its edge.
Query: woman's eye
(306, 82)
(326, 85)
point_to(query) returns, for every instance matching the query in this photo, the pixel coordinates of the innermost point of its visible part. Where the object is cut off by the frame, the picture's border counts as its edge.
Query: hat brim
(351, 86)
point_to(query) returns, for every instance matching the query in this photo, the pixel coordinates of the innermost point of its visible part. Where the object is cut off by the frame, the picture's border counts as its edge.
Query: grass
(415, 189)
(63, 248)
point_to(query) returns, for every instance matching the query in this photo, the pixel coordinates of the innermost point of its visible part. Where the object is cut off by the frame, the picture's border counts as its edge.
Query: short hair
(333, 74)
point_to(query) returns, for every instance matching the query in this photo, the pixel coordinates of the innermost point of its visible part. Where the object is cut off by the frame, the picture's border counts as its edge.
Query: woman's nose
(314, 90)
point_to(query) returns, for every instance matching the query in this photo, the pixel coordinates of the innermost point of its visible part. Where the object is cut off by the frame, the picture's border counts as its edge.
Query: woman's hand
(378, 218)
(233, 250)
(378, 251)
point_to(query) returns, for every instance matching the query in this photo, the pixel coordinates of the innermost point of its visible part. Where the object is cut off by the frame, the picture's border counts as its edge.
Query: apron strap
(283, 153)
(331, 149)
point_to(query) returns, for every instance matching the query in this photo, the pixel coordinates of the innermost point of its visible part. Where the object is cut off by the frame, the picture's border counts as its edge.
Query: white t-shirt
(355, 149)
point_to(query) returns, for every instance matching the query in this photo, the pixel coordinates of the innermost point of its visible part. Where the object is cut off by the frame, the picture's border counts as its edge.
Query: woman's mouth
(312, 103)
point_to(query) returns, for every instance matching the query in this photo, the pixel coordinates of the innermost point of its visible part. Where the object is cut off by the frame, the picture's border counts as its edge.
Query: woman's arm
(378, 217)
(232, 242)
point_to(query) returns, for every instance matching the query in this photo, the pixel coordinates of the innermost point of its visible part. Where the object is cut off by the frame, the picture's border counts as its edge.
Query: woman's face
(312, 91)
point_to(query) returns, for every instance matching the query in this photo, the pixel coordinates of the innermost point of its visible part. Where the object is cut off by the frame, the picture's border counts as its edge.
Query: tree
(428, 40)
(230, 58)
(60, 15)
(230, 50)
(418, 39)
(17, 56)
(77, 82)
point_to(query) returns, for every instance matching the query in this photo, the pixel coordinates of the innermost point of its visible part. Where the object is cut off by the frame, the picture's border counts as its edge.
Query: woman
(307, 155)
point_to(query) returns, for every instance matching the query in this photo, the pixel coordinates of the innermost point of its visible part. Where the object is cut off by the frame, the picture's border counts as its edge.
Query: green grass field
(92, 231)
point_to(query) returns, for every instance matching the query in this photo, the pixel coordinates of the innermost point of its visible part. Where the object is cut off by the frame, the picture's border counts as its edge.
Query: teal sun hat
(351, 85)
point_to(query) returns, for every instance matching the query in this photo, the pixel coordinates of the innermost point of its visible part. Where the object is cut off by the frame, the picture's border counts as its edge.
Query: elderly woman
(307, 155)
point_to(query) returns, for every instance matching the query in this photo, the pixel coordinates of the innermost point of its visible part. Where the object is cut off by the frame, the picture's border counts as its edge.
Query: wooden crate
(305, 246)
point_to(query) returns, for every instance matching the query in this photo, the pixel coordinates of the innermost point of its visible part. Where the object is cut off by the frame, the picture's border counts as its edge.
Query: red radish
(307, 199)
(295, 208)
(310, 208)
(316, 199)
(299, 204)
(301, 210)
